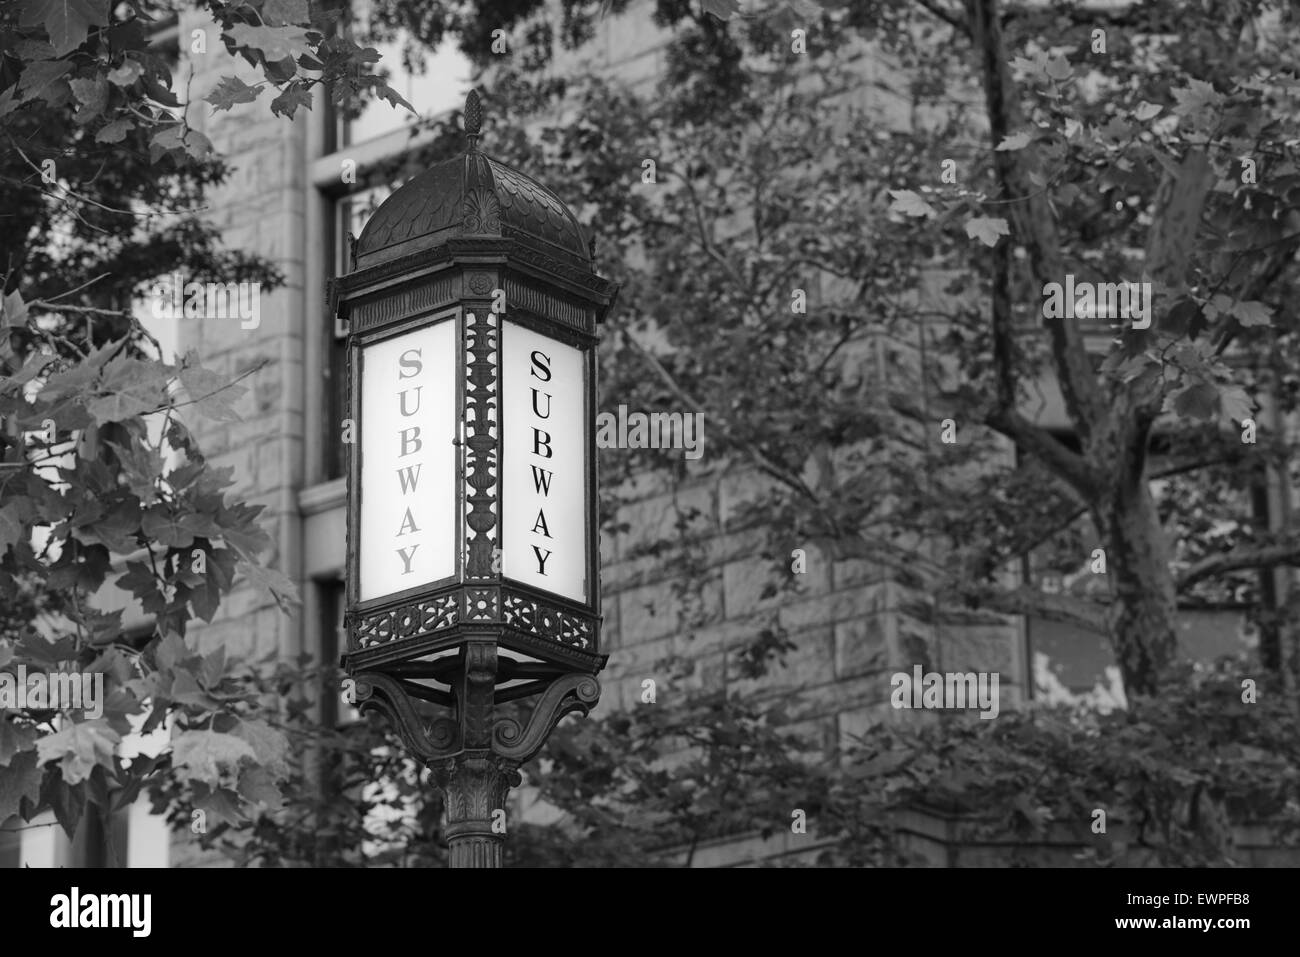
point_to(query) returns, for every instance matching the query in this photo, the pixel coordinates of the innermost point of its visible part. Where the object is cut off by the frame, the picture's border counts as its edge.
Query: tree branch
(1067, 465)
(1024, 600)
(1258, 556)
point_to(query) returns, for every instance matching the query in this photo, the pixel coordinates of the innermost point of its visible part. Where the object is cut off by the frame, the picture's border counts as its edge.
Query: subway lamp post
(473, 554)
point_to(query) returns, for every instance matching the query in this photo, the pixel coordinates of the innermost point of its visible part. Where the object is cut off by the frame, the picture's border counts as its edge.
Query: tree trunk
(1144, 604)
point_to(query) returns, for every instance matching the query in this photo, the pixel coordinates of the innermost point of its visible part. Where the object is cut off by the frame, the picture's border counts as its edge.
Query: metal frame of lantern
(394, 641)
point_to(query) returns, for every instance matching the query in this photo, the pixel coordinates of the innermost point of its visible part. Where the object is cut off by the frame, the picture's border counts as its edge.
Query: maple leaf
(269, 745)
(13, 311)
(279, 585)
(38, 76)
(126, 74)
(211, 393)
(1058, 68)
(1252, 313)
(987, 229)
(92, 95)
(391, 96)
(229, 91)
(21, 779)
(1235, 403)
(1196, 99)
(207, 756)
(1016, 141)
(67, 22)
(287, 103)
(166, 528)
(128, 387)
(197, 145)
(910, 204)
(79, 747)
(114, 132)
(165, 140)
(257, 786)
(221, 803)
(1200, 400)
(275, 43)
(14, 740)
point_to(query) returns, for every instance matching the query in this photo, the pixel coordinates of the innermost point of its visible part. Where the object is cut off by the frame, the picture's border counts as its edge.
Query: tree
(103, 175)
(1098, 144)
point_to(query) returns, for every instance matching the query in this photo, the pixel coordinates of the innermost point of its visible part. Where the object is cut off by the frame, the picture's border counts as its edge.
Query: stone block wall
(259, 209)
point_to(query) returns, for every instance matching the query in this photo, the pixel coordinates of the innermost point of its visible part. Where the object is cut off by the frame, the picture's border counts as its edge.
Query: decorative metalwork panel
(407, 302)
(548, 621)
(482, 604)
(481, 465)
(521, 296)
(408, 621)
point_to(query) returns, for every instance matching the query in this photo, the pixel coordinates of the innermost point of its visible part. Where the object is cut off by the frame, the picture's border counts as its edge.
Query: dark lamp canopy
(472, 195)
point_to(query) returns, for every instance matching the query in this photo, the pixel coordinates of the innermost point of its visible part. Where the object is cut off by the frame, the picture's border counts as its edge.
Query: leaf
(229, 91)
(1197, 99)
(114, 132)
(1236, 404)
(722, 9)
(14, 740)
(1200, 400)
(187, 691)
(139, 580)
(197, 145)
(257, 786)
(391, 96)
(221, 803)
(21, 779)
(1252, 313)
(129, 387)
(206, 756)
(67, 801)
(67, 22)
(1017, 141)
(92, 95)
(37, 77)
(987, 229)
(269, 745)
(126, 74)
(211, 393)
(910, 204)
(275, 43)
(161, 525)
(1058, 68)
(280, 586)
(79, 747)
(165, 140)
(287, 103)
(13, 311)
(1146, 111)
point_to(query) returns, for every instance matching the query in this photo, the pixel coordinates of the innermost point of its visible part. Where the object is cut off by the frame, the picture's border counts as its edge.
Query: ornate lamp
(473, 579)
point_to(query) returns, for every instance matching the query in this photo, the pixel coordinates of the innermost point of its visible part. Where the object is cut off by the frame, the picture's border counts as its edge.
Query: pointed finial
(473, 118)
